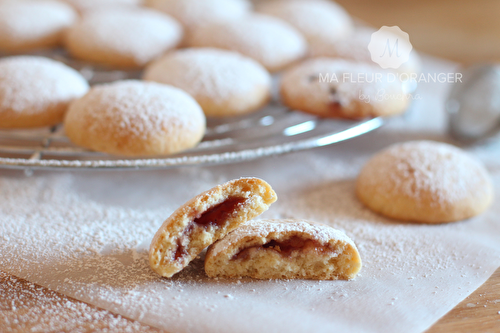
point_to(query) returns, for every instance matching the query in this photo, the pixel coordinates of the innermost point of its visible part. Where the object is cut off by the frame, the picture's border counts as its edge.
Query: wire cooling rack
(273, 131)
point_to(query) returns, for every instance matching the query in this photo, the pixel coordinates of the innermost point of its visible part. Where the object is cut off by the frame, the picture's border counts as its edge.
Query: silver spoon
(473, 105)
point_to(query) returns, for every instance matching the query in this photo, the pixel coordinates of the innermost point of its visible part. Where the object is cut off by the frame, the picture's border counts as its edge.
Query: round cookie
(194, 13)
(425, 181)
(354, 47)
(317, 20)
(271, 41)
(284, 249)
(341, 89)
(36, 91)
(123, 38)
(85, 5)
(224, 83)
(135, 118)
(29, 25)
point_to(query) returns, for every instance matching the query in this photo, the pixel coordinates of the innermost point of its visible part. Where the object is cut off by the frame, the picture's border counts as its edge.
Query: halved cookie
(284, 249)
(205, 219)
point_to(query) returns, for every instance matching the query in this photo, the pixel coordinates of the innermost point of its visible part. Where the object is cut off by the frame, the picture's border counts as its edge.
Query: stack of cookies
(200, 58)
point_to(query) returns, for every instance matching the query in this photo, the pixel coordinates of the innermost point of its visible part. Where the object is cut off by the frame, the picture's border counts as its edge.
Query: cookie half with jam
(284, 249)
(205, 219)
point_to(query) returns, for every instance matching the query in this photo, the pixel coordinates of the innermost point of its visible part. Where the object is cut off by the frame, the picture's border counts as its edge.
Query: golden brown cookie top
(135, 118)
(123, 37)
(269, 40)
(195, 13)
(210, 74)
(31, 24)
(87, 5)
(339, 88)
(31, 84)
(422, 169)
(317, 20)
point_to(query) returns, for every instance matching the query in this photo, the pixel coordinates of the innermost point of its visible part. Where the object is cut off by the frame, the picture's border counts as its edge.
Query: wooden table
(465, 31)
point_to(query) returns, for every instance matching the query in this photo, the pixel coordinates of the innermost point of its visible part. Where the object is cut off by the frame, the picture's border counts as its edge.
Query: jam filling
(284, 248)
(181, 250)
(215, 216)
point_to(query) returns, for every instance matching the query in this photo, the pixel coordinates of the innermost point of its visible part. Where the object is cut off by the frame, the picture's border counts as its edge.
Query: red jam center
(284, 248)
(215, 216)
(218, 215)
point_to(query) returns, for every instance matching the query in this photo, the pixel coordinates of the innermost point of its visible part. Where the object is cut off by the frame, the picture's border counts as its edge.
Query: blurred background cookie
(135, 118)
(224, 83)
(425, 181)
(271, 41)
(317, 20)
(123, 38)
(85, 5)
(342, 89)
(28, 25)
(354, 47)
(194, 13)
(36, 91)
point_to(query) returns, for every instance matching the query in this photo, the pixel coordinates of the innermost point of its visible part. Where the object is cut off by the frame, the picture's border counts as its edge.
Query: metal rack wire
(274, 130)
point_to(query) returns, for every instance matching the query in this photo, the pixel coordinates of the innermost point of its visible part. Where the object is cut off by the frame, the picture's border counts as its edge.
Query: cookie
(135, 118)
(36, 91)
(272, 42)
(86, 5)
(123, 38)
(317, 20)
(354, 47)
(224, 83)
(195, 13)
(284, 249)
(425, 181)
(29, 25)
(342, 89)
(205, 219)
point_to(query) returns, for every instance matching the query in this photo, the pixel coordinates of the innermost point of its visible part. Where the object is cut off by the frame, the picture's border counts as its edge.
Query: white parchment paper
(86, 234)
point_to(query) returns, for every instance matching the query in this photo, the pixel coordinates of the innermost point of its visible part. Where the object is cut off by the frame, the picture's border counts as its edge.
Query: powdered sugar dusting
(96, 250)
(195, 13)
(86, 235)
(142, 34)
(31, 84)
(262, 228)
(28, 22)
(414, 169)
(315, 19)
(137, 109)
(351, 82)
(210, 73)
(270, 41)
(85, 5)
(351, 47)
(33, 308)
